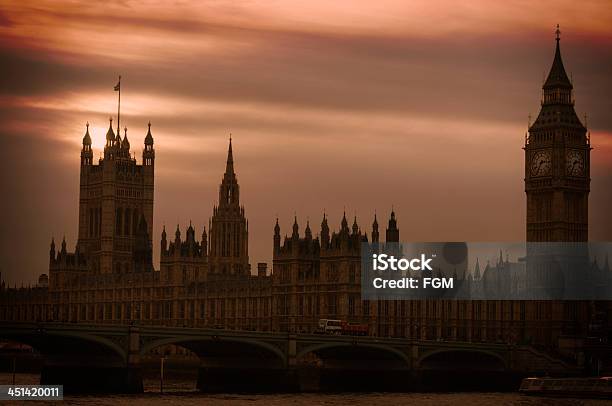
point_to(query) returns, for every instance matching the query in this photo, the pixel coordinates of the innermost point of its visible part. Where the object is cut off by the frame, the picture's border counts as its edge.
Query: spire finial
(125, 131)
(229, 167)
(558, 33)
(87, 137)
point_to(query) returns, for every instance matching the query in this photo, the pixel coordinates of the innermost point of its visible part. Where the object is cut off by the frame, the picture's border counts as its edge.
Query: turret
(344, 223)
(52, 251)
(307, 231)
(191, 242)
(86, 152)
(148, 155)
(164, 241)
(324, 232)
(110, 134)
(177, 236)
(392, 234)
(125, 144)
(296, 234)
(355, 226)
(277, 237)
(375, 234)
(190, 233)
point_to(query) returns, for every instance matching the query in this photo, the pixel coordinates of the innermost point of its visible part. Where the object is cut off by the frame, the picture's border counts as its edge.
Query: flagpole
(119, 105)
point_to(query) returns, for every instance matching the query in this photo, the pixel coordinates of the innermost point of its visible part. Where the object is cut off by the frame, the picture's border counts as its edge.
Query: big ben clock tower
(557, 152)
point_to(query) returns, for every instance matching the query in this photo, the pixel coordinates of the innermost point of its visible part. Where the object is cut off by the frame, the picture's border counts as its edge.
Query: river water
(182, 393)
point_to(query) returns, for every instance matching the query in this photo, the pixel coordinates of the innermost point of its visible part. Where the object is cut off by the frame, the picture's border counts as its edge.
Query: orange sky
(332, 105)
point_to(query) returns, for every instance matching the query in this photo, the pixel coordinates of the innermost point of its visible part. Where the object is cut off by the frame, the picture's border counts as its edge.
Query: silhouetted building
(109, 278)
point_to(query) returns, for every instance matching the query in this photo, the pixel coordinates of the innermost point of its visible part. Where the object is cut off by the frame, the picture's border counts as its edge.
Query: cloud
(330, 106)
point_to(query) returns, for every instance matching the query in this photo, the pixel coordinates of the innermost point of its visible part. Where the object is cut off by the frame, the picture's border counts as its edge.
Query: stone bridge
(94, 358)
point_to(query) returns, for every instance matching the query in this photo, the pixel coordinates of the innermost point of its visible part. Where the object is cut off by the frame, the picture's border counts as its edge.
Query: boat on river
(598, 387)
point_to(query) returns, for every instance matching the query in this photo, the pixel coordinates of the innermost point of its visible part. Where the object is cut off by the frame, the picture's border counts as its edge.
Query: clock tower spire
(557, 152)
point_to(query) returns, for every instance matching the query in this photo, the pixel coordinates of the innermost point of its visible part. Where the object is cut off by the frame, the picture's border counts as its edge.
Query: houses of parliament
(205, 278)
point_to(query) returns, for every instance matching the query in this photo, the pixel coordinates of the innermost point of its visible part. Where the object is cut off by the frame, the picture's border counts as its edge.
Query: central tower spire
(229, 189)
(229, 166)
(228, 227)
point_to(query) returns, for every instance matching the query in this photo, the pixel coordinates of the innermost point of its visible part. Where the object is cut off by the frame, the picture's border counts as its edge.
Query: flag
(118, 86)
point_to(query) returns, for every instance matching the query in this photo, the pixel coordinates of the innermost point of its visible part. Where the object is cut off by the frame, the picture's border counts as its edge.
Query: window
(332, 304)
(332, 272)
(351, 306)
(128, 215)
(181, 314)
(352, 273)
(366, 307)
(119, 220)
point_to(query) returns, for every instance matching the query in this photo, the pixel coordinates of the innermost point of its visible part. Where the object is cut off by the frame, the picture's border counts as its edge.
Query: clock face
(574, 163)
(541, 163)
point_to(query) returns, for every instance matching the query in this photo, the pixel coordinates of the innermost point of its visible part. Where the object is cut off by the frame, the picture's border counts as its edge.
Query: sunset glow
(326, 102)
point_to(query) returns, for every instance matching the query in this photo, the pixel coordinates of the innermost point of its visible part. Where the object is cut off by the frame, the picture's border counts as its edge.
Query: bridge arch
(447, 358)
(355, 349)
(58, 342)
(212, 345)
